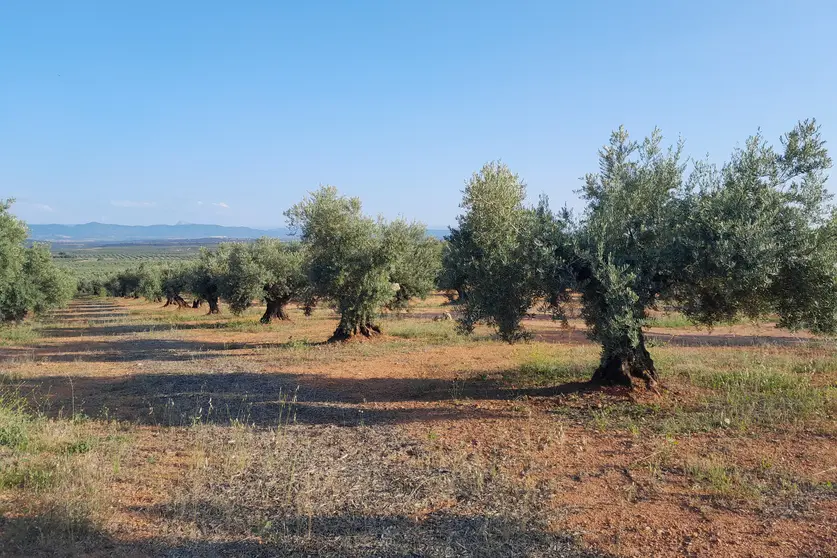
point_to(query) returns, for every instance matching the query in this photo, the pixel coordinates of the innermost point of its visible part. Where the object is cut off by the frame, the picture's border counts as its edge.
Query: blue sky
(228, 112)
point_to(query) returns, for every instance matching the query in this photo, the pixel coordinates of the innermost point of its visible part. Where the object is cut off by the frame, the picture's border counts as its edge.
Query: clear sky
(228, 112)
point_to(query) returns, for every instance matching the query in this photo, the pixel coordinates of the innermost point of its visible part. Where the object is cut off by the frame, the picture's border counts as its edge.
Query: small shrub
(28, 475)
(15, 424)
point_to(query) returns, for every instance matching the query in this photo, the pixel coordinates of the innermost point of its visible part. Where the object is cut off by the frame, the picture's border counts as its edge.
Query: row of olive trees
(30, 282)
(754, 237)
(357, 264)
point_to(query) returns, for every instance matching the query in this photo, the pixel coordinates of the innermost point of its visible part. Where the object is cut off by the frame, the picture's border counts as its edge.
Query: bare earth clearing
(151, 431)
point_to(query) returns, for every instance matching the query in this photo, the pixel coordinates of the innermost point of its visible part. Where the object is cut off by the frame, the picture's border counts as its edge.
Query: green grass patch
(15, 424)
(676, 320)
(432, 332)
(80, 446)
(723, 479)
(739, 389)
(18, 334)
(544, 365)
(26, 474)
(672, 320)
(749, 388)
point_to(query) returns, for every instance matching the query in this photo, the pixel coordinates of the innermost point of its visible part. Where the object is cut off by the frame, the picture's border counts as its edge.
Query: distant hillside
(101, 232)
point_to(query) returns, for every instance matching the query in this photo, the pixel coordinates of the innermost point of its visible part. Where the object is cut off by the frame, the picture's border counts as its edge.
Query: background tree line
(357, 264)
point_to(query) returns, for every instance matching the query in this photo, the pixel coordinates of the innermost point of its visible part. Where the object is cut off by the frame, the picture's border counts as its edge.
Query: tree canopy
(29, 279)
(358, 263)
(416, 259)
(208, 274)
(269, 270)
(755, 237)
(490, 253)
(347, 261)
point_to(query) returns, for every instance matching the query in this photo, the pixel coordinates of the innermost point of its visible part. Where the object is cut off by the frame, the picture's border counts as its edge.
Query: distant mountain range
(101, 232)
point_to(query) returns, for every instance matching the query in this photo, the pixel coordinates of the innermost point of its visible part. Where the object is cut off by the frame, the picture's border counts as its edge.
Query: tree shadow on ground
(123, 350)
(351, 536)
(127, 329)
(131, 349)
(265, 399)
(579, 336)
(83, 321)
(76, 311)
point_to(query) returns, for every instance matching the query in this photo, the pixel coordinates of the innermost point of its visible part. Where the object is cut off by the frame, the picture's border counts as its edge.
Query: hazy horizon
(185, 223)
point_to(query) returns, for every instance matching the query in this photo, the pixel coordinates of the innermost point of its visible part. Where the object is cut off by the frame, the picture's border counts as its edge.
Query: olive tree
(149, 284)
(267, 269)
(174, 282)
(490, 252)
(416, 259)
(451, 278)
(628, 248)
(13, 303)
(48, 285)
(751, 238)
(348, 260)
(29, 279)
(761, 236)
(208, 275)
(135, 282)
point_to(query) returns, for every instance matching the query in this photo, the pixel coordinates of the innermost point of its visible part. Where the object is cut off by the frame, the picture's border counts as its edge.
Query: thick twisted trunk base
(213, 306)
(176, 300)
(623, 368)
(275, 309)
(345, 333)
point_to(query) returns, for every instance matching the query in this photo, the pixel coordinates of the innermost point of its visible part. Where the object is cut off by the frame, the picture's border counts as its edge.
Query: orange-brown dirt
(624, 493)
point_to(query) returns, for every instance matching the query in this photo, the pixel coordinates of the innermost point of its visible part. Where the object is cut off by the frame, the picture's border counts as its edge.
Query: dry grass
(53, 472)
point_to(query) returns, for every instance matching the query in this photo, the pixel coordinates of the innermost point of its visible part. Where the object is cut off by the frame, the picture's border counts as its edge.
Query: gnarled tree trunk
(176, 299)
(197, 303)
(622, 367)
(275, 309)
(351, 326)
(213, 305)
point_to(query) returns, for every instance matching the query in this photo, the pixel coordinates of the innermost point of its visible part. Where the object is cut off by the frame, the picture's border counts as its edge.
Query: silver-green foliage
(174, 283)
(755, 237)
(348, 260)
(415, 263)
(492, 254)
(752, 238)
(29, 279)
(207, 275)
(267, 269)
(761, 237)
(627, 247)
